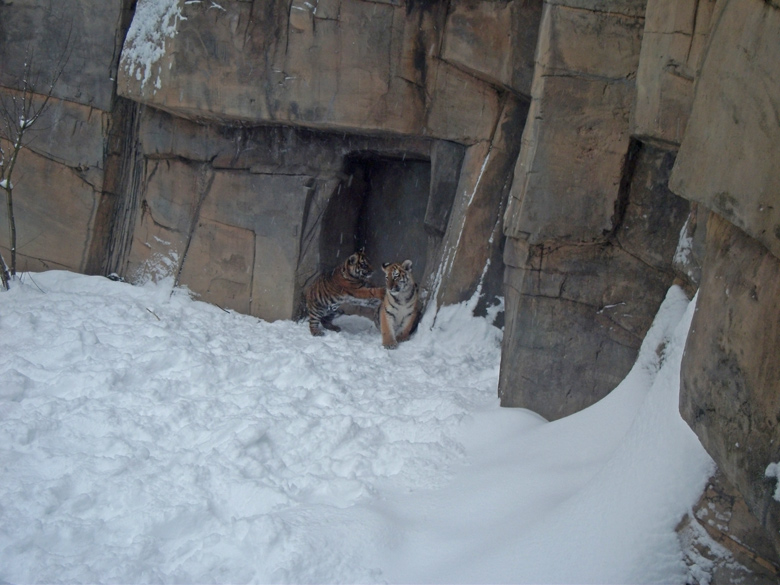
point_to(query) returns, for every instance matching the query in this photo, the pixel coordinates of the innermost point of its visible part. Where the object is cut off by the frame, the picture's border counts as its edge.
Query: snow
(773, 471)
(154, 22)
(148, 437)
(684, 252)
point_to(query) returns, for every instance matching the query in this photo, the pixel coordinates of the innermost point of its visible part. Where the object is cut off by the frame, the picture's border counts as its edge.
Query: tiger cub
(400, 307)
(346, 283)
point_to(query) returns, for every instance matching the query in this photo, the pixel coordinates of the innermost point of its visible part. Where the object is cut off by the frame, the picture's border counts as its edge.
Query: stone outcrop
(730, 383)
(673, 43)
(729, 159)
(244, 213)
(571, 305)
(592, 227)
(343, 65)
(59, 179)
(728, 162)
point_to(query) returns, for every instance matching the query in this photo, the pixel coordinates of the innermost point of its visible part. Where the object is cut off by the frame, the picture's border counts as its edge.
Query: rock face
(573, 304)
(730, 392)
(672, 47)
(575, 157)
(59, 180)
(294, 133)
(596, 224)
(731, 371)
(729, 160)
(592, 227)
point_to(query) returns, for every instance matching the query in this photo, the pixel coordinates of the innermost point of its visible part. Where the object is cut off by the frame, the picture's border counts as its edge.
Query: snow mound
(148, 437)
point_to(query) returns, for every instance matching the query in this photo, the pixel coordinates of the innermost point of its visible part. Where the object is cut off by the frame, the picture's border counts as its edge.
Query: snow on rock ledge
(155, 22)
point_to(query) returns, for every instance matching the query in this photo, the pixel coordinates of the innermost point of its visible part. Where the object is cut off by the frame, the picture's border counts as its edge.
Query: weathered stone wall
(592, 227)
(59, 180)
(729, 162)
(423, 71)
(238, 215)
(233, 208)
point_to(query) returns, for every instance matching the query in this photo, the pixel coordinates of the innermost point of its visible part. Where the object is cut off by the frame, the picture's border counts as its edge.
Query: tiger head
(398, 276)
(356, 267)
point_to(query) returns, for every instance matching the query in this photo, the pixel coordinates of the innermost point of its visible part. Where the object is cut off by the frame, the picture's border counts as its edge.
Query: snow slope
(147, 437)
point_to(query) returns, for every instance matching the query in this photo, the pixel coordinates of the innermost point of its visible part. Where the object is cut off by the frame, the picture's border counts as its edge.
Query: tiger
(347, 283)
(400, 308)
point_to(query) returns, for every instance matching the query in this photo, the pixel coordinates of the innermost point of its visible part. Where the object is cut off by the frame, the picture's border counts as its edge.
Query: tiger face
(398, 276)
(357, 267)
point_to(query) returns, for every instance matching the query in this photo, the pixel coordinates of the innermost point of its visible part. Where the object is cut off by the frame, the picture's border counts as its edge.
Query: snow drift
(148, 437)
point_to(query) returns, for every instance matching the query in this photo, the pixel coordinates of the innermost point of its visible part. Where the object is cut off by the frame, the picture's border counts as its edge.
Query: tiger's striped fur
(400, 307)
(347, 283)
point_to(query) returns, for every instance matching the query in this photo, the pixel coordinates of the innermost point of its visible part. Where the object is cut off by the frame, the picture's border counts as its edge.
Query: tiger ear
(352, 259)
(407, 265)
(384, 266)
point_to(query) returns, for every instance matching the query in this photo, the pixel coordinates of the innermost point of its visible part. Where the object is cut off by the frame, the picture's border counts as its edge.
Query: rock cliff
(575, 157)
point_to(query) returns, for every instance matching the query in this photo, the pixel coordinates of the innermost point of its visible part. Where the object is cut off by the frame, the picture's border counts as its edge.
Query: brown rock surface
(723, 535)
(365, 66)
(474, 238)
(672, 48)
(729, 159)
(568, 174)
(591, 226)
(730, 379)
(85, 32)
(54, 208)
(494, 40)
(577, 313)
(245, 217)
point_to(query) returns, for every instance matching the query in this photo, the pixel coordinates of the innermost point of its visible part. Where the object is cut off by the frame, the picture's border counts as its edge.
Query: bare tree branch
(18, 115)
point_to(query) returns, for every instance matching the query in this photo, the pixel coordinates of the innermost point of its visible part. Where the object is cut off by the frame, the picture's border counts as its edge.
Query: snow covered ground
(146, 437)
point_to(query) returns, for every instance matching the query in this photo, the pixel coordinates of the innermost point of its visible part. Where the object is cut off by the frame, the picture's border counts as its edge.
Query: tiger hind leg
(327, 321)
(318, 322)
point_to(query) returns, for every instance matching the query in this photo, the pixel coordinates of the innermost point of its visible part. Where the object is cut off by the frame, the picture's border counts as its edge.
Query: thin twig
(35, 283)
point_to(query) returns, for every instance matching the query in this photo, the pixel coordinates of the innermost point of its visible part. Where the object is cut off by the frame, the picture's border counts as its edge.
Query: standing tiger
(347, 283)
(400, 307)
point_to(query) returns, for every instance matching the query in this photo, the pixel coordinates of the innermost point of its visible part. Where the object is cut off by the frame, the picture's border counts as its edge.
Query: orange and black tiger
(401, 306)
(347, 283)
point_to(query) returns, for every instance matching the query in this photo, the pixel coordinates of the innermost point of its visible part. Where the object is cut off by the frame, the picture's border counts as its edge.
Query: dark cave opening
(379, 206)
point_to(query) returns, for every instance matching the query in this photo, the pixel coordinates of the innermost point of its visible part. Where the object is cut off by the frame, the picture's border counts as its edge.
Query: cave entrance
(379, 206)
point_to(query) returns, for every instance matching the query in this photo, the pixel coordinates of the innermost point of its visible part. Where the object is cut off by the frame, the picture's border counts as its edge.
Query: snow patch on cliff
(154, 22)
